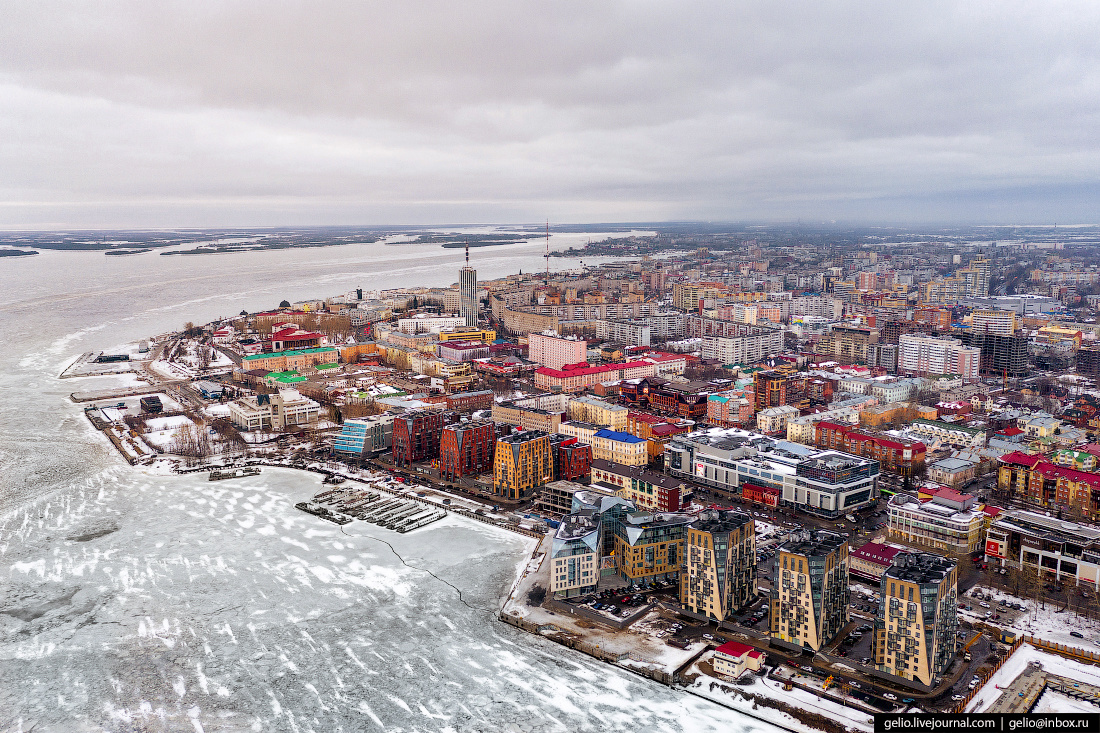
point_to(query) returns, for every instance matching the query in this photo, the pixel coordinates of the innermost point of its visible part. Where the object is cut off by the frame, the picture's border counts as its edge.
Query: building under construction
(1001, 355)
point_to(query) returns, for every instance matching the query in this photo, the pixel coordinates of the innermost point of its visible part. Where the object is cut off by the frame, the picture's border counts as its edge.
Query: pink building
(554, 352)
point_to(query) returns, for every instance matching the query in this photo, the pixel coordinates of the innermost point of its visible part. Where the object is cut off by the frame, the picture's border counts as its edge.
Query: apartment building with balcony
(466, 449)
(719, 572)
(416, 436)
(917, 621)
(522, 462)
(648, 490)
(809, 598)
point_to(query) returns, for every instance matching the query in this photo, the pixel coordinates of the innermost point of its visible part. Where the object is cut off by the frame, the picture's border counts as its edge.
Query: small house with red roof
(733, 659)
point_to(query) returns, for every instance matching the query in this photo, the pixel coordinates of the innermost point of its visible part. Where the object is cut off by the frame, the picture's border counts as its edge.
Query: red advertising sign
(993, 548)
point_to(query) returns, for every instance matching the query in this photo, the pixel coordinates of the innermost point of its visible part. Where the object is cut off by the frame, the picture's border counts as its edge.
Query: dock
(385, 510)
(221, 475)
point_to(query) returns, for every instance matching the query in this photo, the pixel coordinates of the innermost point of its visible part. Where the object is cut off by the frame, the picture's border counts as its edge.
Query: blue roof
(616, 435)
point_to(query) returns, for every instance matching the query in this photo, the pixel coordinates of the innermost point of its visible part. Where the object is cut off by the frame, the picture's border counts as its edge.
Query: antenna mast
(547, 252)
(467, 251)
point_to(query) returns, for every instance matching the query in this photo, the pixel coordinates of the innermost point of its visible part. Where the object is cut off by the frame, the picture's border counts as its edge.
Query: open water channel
(132, 601)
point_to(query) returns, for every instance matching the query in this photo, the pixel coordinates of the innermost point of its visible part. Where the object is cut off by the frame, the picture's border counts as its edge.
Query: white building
(774, 419)
(743, 349)
(279, 411)
(930, 355)
(429, 324)
(554, 351)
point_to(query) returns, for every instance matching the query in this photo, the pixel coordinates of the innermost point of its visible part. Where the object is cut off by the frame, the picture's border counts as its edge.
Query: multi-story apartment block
(917, 621)
(363, 437)
(1045, 548)
(1001, 323)
(466, 449)
(1034, 480)
(743, 349)
(821, 482)
(598, 412)
(895, 455)
(416, 436)
(572, 460)
(646, 489)
(774, 388)
(576, 379)
(883, 355)
(575, 555)
(930, 355)
(731, 409)
(773, 420)
(285, 409)
(719, 571)
(281, 361)
(424, 323)
(819, 306)
(686, 295)
(554, 351)
(539, 412)
(810, 597)
(649, 546)
(629, 333)
(619, 447)
(467, 294)
(523, 462)
(950, 522)
(656, 431)
(848, 343)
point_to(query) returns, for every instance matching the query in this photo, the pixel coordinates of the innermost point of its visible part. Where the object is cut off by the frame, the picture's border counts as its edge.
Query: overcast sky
(267, 113)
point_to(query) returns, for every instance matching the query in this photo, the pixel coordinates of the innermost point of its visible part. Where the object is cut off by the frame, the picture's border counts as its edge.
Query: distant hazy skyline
(175, 114)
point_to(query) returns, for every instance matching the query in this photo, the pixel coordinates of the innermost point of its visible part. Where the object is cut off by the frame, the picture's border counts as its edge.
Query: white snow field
(149, 602)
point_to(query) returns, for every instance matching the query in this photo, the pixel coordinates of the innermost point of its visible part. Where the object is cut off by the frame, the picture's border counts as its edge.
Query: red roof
(950, 494)
(1022, 459)
(294, 334)
(568, 371)
(734, 649)
(992, 511)
(1049, 470)
(668, 429)
(877, 553)
(1010, 432)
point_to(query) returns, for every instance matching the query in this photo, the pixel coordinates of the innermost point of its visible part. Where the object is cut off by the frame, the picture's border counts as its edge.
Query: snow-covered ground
(1055, 702)
(1017, 663)
(1047, 623)
(850, 717)
(171, 603)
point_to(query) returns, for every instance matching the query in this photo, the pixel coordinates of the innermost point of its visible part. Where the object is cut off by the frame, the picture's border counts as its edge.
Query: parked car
(958, 698)
(1077, 635)
(889, 696)
(983, 604)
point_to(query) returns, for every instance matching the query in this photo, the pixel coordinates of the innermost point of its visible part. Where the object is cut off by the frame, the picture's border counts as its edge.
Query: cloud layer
(249, 113)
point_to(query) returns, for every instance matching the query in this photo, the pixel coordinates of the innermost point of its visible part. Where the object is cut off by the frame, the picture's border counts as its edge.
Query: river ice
(143, 602)
(140, 602)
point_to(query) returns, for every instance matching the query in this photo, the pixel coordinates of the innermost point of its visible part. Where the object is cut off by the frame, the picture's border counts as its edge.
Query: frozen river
(131, 601)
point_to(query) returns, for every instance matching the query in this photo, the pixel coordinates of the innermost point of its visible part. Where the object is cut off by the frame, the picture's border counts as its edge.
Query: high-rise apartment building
(416, 436)
(719, 573)
(931, 355)
(1002, 323)
(466, 449)
(809, 598)
(523, 462)
(917, 619)
(554, 352)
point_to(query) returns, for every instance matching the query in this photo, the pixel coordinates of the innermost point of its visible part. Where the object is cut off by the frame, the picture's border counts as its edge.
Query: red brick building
(466, 449)
(763, 495)
(416, 436)
(895, 455)
(573, 461)
(467, 402)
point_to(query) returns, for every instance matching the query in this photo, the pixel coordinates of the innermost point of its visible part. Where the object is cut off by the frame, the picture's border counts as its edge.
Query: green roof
(333, 365)
(294, 352)
(280, 375)
(948, 426)
(290, 380)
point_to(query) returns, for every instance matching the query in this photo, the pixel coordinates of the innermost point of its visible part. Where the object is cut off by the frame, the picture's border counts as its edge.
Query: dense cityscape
(822, 472)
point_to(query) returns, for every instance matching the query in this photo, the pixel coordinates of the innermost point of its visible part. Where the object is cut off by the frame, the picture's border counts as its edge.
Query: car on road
(958, 698)
(807, 668)
(889, 696)
(1077, 635)
(708, 637)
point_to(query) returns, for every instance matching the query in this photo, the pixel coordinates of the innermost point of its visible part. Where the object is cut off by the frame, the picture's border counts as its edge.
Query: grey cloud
(294, 112)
